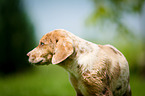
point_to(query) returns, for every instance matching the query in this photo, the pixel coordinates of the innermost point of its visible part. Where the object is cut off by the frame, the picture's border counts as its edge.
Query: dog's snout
(28, 54)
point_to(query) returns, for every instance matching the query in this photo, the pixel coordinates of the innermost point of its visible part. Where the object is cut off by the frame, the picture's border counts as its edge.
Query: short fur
(95, 70)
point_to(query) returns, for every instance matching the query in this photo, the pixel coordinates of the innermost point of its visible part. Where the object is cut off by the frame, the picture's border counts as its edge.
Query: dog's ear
(63, 49)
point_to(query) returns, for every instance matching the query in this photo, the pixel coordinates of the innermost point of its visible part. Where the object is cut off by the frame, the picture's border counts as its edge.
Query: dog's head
(54, 47)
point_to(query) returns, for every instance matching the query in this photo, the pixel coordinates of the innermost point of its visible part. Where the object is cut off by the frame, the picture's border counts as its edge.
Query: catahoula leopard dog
(95, 70)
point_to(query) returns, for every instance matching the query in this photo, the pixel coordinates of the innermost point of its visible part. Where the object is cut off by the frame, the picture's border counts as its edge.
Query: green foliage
(113, 11)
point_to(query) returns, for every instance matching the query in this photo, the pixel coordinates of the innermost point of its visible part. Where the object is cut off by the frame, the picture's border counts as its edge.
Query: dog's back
(117, 70)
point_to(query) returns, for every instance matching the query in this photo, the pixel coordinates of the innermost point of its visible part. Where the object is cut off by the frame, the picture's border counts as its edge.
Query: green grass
(51, 81)
(137, 85)
(43, 81)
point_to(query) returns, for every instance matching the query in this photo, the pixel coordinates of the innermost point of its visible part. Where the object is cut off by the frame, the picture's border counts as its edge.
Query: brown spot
(86, 73)
(107, 80)
(108, 62)
(117, 70)
(115, 73)
(79, 66)
(94, 75)
(119, 53)
(56, 40)
(127, 93)
(50, 40)
(113, 50)
(81, 51)
(34, 56)
(104, 91)
(118, 88)
(79, 94)
(101, 46)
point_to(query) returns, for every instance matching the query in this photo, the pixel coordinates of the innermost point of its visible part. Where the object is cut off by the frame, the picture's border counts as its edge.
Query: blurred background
(23, 22)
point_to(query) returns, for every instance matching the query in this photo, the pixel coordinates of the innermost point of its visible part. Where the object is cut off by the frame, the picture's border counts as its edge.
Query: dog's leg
(128, 92)
(74, 82)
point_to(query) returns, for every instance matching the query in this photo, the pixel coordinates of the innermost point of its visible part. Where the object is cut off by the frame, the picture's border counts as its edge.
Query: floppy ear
(63, 50)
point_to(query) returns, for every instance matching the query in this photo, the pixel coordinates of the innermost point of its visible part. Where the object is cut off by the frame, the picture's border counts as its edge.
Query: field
(51, 80)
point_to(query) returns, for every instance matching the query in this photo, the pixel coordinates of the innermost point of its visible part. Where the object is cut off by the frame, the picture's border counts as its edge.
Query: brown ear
(63, 50)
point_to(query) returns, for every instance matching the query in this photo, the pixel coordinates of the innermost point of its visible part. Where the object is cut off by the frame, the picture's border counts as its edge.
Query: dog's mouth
(34, 62)
(39, 62)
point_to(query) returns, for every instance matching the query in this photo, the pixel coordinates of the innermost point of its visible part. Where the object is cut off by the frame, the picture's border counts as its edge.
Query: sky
(47, 15)
(71, 15)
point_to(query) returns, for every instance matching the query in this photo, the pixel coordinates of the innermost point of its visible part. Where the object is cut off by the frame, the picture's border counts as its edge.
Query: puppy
(95, 70)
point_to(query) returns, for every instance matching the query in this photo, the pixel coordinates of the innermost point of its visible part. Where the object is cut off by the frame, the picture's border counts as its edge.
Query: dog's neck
(81, 59)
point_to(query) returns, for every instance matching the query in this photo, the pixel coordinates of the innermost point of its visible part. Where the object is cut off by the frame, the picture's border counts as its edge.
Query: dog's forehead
(45, 37)
(56, 34)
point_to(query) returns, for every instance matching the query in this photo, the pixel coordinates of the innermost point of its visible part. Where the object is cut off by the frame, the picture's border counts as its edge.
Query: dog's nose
(28, 54)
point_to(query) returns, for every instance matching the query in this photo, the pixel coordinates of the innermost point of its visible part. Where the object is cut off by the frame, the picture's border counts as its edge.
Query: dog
(95, 70)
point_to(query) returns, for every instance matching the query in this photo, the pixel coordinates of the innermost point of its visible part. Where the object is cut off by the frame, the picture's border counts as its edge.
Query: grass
(137, 85)
(51, 81)
(43, 81)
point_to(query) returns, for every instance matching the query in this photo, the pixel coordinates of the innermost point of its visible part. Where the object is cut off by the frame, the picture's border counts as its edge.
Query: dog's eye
(41, 43)
(56, 40)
